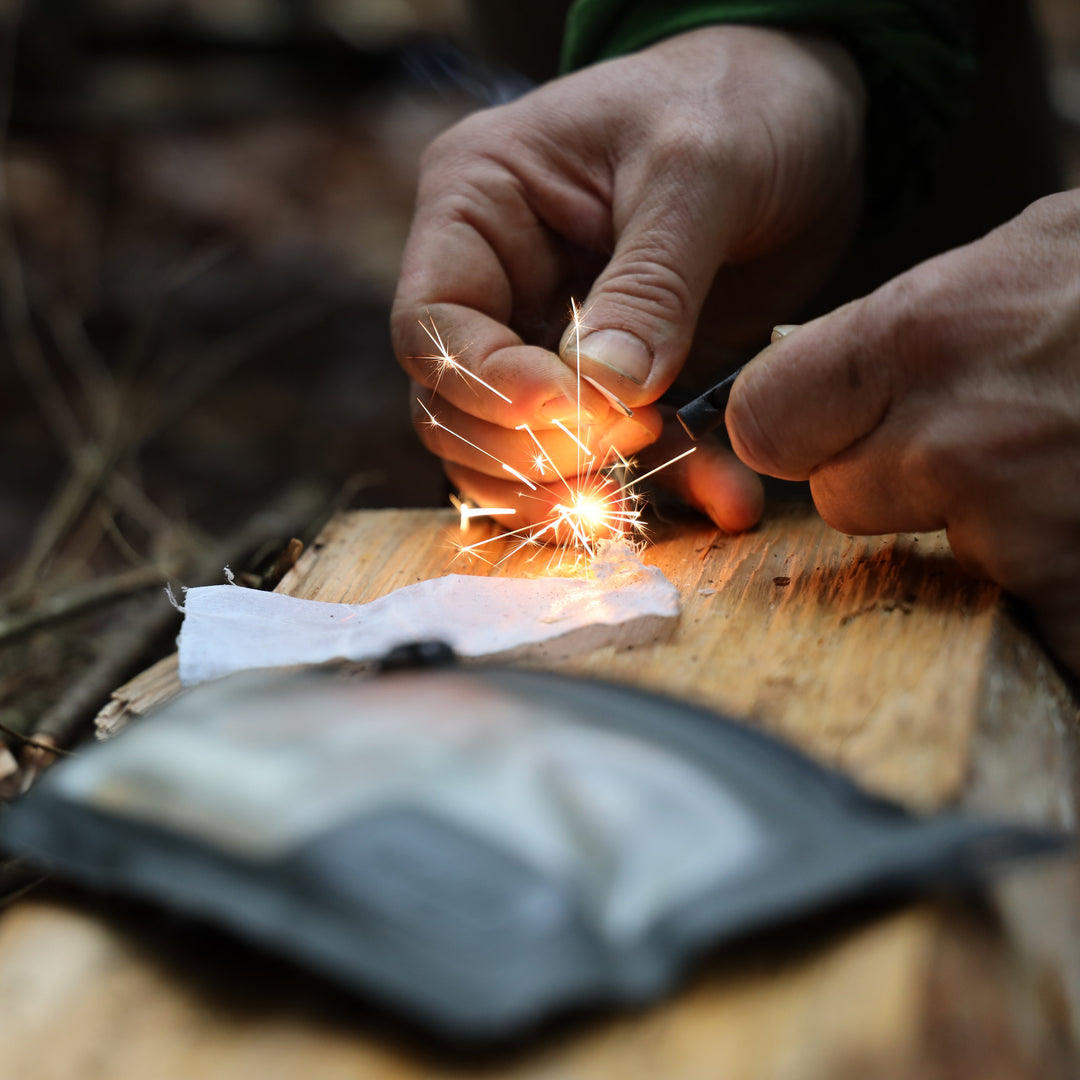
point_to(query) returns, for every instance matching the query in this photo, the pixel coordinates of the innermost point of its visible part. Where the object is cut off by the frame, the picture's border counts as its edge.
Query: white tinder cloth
(227, 628)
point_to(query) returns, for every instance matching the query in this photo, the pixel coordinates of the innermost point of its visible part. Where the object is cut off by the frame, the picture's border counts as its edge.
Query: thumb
(815, 391)
(635, 327)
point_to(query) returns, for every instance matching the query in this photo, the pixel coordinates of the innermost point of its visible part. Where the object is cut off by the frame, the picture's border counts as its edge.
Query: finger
(476, 239)
(972, 450)
(590, 509)
(711, 479)
(477, 257)
(638, 320)
(529, 453)
(484, 369)
(871, 489)
(818, 390)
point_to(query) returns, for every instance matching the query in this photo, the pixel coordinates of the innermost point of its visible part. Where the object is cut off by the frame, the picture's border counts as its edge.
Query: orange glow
(600, 503)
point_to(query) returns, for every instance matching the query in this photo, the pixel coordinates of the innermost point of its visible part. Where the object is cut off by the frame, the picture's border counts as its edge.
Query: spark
(615, 400)
(542, 460)
(436, 423)
(601, 501)
(468, 510)
(446, 361)
(573, 438)
(575, 315)
(653, 472)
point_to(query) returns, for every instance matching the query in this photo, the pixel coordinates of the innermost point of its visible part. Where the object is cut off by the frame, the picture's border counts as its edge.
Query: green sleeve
(911, 54)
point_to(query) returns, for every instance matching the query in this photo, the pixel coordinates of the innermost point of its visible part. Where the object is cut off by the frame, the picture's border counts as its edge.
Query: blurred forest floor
(201, 216)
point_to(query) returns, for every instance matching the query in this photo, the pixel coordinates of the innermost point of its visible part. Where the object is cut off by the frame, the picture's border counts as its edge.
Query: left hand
(949, 398)
(718, 169)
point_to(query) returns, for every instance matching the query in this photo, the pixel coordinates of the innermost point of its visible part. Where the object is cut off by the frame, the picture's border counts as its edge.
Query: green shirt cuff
(911, 54)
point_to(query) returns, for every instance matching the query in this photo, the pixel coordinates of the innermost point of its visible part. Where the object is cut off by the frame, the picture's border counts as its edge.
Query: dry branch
(130, 645)
(78, 600)
(22, 338)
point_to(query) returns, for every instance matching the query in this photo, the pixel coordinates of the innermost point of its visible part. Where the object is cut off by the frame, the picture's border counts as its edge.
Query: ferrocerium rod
(706, 412)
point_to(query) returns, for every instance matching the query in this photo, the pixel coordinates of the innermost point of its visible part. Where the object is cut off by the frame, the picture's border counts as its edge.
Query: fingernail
(614, 399)
(783, 330)
(628, 356)
(565, 408)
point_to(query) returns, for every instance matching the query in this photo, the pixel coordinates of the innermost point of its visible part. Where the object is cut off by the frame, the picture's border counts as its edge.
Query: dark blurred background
(201, 217)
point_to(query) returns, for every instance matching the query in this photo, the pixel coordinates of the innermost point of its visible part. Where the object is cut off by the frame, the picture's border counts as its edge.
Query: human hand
(949, 398)
(721, 165)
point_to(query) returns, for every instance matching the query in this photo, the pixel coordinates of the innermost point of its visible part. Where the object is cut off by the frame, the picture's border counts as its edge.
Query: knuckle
(443, 148)
(684, 142)
(1051, 214)
(912, 320)
(894, 317)
(647, 285)
(933, 459)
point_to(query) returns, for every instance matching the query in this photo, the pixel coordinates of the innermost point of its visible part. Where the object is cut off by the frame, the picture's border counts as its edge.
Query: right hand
(949, 398)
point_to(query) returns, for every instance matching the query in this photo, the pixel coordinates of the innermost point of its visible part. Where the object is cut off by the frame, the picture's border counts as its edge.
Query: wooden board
(876, 654)
(867, 652)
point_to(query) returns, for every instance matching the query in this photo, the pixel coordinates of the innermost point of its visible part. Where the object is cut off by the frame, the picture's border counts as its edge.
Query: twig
(125, 494)
(9, 898)
(99, 388)
(34, 760)
(219, 360)
(129, 646)
(69, 502)
(14, 303)
(122, 545)
(138, 346)
(29, 740)
(87, 465)
(79, 600)
(93, 466)
(269, 577)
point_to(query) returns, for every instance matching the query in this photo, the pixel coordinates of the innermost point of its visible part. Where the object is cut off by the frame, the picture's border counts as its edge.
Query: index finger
(493, 374)
(478, 257)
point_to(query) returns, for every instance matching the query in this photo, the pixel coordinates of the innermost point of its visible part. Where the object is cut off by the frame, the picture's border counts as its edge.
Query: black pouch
(479, 847)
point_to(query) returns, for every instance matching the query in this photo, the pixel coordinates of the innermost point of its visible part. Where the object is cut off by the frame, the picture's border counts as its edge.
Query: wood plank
(877, 654)
(925, 993)
(866, 652)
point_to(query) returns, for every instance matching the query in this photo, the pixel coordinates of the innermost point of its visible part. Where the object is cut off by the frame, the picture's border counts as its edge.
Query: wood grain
(927, 993)
(877, 654)
(866, 652)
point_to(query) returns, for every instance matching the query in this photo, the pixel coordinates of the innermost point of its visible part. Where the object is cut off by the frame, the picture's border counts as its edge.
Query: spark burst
(601, 501)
